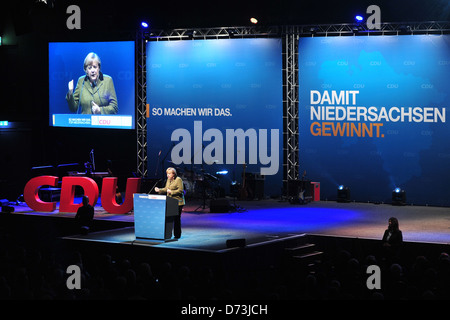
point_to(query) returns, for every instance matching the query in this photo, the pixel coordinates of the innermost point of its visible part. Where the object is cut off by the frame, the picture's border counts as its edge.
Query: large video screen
(373, 116)
(92, 84)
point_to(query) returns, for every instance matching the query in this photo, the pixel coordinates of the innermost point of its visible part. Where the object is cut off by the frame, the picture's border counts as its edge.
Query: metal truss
(141, 105)
(290, 107)
(391, 28)
(212, 33)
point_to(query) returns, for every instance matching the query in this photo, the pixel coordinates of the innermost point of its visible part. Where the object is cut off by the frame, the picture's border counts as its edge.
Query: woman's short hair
(173, 170)
(91, 57)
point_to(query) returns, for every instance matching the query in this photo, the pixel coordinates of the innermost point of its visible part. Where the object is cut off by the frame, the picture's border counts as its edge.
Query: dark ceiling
(116, 16)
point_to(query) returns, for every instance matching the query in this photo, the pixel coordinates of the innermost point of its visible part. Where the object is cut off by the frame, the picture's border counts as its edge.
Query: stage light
(223, 172)
(254, 20)
(4, 123)
(6, 208)
(232, 32)
(343, 194)
(398, 197)
(359, 18)
(144, 24)
(404, 29)
(190, 33)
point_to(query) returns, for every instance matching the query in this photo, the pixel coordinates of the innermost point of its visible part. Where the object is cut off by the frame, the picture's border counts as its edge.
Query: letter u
(108, 196)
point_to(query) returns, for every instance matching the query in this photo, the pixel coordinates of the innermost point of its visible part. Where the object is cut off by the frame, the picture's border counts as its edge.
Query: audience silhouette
(30, 270)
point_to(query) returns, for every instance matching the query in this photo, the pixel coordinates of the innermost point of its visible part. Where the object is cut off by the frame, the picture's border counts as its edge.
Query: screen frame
(65, 63)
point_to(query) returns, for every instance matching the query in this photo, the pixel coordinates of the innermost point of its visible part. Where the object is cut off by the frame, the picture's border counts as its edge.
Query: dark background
(26, 27)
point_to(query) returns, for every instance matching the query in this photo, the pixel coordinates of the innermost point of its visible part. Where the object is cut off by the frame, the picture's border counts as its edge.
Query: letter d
(313, 94)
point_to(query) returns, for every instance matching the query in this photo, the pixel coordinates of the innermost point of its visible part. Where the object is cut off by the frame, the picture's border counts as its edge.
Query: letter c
(31, 193)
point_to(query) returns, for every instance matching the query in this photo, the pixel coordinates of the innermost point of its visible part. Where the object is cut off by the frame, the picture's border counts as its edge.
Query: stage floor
(265, 221)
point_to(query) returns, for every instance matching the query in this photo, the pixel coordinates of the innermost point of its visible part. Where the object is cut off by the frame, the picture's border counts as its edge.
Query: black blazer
(396, 238)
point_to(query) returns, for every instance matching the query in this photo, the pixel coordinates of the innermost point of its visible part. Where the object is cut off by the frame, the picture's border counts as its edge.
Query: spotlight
(232, 32)
(343, 194)
(254, 20)
(398, 197)
(190, 33)
(144, 24)
(359, 18)
(223, 172)
(5, 207)
(357, 28)
(404, 29)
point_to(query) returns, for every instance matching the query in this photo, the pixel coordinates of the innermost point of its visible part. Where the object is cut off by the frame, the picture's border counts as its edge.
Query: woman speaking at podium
(174, 188)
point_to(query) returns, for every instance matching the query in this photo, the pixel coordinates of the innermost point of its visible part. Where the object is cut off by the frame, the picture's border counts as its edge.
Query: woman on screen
(94, 92)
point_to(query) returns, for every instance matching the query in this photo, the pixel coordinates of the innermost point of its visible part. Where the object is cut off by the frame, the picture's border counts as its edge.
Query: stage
(275, 246)
(268, 220)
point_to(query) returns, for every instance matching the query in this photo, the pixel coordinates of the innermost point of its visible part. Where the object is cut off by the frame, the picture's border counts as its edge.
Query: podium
(153, 216)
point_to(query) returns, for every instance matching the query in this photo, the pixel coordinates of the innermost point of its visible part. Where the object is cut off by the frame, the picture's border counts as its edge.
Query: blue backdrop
(216, 105)
(66, 63)
(373, 116)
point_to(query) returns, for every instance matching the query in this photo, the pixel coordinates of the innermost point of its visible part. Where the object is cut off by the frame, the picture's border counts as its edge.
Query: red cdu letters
(109, 195)
(31, 193)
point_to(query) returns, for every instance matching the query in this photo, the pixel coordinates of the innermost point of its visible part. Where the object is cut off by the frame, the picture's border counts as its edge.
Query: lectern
(153, 216)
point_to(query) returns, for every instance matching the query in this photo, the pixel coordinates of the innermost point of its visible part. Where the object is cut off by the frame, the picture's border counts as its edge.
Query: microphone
(154, 186)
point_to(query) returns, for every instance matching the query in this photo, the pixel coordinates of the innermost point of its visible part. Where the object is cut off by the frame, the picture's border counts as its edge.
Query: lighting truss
(391, 28)
(212, 33)
(290, 107)
(141, 106)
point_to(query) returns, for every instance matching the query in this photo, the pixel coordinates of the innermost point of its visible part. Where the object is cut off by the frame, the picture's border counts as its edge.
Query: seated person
(85, 216)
